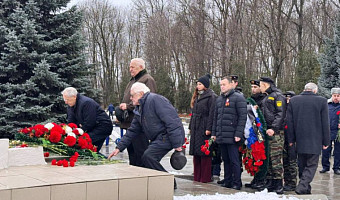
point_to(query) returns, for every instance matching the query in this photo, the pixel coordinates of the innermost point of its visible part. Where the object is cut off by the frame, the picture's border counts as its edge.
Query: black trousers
(232, 170)
(155, 152)
(308, 163)
(99, 134)
(136, 150)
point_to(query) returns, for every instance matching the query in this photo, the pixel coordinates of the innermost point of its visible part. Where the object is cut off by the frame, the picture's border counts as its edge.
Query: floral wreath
(254, 150)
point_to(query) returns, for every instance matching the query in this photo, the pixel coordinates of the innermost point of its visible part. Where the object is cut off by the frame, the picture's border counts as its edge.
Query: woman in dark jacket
(202, 104)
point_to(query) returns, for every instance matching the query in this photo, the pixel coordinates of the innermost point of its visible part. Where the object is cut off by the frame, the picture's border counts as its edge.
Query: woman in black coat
(202, 104)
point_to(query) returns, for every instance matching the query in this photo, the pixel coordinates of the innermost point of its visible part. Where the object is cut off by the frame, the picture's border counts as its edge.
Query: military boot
(264, 185)
(277, 186)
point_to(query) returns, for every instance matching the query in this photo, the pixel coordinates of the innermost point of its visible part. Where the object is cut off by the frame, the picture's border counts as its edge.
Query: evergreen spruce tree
(40, 54)
(329, 62)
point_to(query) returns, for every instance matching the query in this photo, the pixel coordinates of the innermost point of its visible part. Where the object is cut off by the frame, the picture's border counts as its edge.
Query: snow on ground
(264, 195)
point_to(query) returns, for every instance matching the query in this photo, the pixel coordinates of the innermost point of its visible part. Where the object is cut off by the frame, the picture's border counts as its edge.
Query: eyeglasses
(132, 95)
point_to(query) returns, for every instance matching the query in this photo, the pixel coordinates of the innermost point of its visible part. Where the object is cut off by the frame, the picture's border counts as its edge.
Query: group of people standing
(297, 128)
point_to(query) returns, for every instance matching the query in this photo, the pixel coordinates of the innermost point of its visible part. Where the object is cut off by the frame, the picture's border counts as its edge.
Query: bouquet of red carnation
(205, 148)
(186, 141)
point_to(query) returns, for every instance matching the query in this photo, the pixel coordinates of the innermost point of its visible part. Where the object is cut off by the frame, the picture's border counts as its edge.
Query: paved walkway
(324, 186)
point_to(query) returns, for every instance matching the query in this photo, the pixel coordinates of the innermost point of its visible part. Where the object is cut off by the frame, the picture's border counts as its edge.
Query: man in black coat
(273, 107)
(308, 127)
(88, 115)
(158, 119)
(228, 126)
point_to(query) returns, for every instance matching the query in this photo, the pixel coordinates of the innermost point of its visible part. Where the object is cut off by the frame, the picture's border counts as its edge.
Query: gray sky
(114, 2)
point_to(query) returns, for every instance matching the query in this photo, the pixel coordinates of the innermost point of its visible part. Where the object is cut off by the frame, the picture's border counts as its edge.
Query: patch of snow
(237, 196)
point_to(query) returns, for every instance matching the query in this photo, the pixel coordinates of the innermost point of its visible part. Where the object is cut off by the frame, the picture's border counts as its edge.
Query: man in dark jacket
(308, 128)
(334, 109)
(88, 115)
(139, 143)
(228, 125)
(256, 93)
(258, 96)
(289, 156)
(159, 121)
(273, 108)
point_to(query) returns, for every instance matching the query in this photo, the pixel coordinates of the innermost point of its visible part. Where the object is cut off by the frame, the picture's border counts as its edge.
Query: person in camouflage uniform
(273, 108)
(289, 157)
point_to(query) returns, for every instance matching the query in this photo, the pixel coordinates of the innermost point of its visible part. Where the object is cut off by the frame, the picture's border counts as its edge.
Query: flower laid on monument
(62, 139)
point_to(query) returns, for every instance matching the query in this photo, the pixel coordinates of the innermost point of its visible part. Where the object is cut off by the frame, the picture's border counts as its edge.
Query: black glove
(292, 152)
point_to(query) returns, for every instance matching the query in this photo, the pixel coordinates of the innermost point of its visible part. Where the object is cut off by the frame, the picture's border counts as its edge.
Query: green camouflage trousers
(275, 168)
(289, 168)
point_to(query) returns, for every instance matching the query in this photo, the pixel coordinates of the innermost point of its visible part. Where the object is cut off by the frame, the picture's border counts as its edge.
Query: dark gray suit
(308, 127)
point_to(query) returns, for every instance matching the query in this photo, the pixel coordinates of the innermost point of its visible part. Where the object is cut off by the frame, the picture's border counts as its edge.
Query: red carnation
(338, 113)
(70, 141)
(76, 154)
(258, 124)
(56, 133)
(259, 163)
(24, 145)
(39, 130)
(72, 125)
(60, 163)
(54, 162)
(46, 154)
(207, 152)
(65, 163)
(75, 131)
(286, 127)
(72, 163)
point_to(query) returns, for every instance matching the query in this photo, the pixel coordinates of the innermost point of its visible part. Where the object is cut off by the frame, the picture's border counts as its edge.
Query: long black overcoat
(201, 121)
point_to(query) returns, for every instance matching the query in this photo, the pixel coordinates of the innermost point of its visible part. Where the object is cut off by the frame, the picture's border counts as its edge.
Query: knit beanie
(205, 80)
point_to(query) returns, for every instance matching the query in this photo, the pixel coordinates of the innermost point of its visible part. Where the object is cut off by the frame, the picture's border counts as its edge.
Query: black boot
(272, 186)
(258, 183)
(278, 186)
(220, 182)
(175, 184)
(250, 185)
(264, 185)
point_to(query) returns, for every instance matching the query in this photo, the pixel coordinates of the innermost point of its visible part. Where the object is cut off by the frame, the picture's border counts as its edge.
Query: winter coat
(158, 119)
(89, 116)
(258, 98)
(142, 77)
(274, 109)
(333, 108)
(201, 121)
(229, 118)
(308, 123)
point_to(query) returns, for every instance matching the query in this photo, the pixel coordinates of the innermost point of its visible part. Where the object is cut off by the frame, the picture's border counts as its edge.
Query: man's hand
(237, 139)
(324, 147)
(207, 132)
(178, 149)
(213, 138)
(290, 144)
(338, 125)
(114, 153)
(270, 132)
(123, 106)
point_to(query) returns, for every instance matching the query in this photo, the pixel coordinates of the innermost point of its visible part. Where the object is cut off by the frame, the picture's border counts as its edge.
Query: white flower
(49, 126)
(81, 132)
(68, 129)
(72, 134)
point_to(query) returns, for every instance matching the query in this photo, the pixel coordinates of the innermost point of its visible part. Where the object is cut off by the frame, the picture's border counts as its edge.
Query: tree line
(182, 40)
